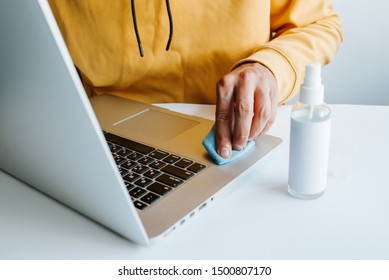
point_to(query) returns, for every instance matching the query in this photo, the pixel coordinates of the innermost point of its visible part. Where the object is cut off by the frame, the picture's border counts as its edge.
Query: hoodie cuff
(281, 67)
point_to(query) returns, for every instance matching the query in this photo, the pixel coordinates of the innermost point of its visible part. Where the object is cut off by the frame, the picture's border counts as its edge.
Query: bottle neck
(311, 113)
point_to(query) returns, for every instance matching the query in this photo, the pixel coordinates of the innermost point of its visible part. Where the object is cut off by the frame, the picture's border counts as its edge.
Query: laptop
(85, 153)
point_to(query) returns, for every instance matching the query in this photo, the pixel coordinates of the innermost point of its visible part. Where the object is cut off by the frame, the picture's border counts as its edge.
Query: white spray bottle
(309, 138)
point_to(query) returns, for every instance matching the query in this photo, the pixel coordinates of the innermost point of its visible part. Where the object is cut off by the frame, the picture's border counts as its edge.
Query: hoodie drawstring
(136, 28)
(169, 12)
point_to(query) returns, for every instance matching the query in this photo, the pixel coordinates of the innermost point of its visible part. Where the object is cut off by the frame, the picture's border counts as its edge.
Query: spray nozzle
(312, 74)
(312, 90)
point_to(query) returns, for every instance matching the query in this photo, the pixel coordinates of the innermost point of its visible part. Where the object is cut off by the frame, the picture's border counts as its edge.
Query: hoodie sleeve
(303, 32)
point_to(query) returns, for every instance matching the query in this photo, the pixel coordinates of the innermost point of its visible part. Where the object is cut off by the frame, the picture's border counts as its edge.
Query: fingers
(262, 115)
(262, 109)
(265, 104)
(273, 113)
(224, 115)
(246, 107)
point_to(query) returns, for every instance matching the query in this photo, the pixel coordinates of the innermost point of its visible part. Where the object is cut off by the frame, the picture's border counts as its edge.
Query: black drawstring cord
(136, 28)
(169, 12)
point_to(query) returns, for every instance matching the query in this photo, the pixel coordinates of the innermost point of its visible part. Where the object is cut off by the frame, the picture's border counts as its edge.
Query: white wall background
(359, 73)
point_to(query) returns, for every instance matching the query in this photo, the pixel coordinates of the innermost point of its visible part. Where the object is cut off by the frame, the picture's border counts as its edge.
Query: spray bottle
(309, 138)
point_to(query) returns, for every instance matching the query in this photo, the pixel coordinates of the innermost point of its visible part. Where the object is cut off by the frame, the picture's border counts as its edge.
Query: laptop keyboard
(148, 173)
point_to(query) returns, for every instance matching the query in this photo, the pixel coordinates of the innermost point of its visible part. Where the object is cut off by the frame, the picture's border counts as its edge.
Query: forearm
(297, 43)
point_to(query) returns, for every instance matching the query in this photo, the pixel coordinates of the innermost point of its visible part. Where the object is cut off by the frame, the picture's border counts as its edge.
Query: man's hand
(247, 100)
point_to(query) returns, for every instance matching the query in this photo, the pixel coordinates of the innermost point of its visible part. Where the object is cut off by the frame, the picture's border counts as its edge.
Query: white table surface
(254, 219)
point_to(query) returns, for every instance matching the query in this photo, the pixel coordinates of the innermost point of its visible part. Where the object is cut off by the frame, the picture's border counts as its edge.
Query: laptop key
(140, 205)
(150, 198)
(146, 160)
(184, 163)
(169, 180)
(135, 156)
(175, 171)
(159, 188)
(157, 164)
(196, 167)
(140, 169)
(152, 173)
(115, 148)
(119, 159)
(137, 192)
(172, 159)
(123, 171)
(143, 182)
(124, 152)
(128, 185)
(158, 154)
(128, 164)
(131, 177)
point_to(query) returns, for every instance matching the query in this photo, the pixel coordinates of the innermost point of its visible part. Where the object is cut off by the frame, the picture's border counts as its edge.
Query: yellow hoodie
(210, 38)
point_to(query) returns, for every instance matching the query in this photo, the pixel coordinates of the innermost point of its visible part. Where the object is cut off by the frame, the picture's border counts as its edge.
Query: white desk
(255, 219)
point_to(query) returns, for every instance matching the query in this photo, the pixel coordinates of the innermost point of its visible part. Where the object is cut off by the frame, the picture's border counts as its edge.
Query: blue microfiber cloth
(209, 143)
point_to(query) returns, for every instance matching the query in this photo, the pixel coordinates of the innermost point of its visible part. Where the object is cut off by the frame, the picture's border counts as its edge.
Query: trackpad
(156, 125)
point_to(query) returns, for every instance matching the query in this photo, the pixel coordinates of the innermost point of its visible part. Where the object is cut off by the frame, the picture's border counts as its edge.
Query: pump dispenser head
(312, 90)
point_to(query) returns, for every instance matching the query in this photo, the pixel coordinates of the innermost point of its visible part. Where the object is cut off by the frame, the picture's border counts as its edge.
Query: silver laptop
(137, 169)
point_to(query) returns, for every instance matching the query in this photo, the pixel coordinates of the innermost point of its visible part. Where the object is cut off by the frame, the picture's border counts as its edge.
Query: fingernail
(238, 147)
(225, 152)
